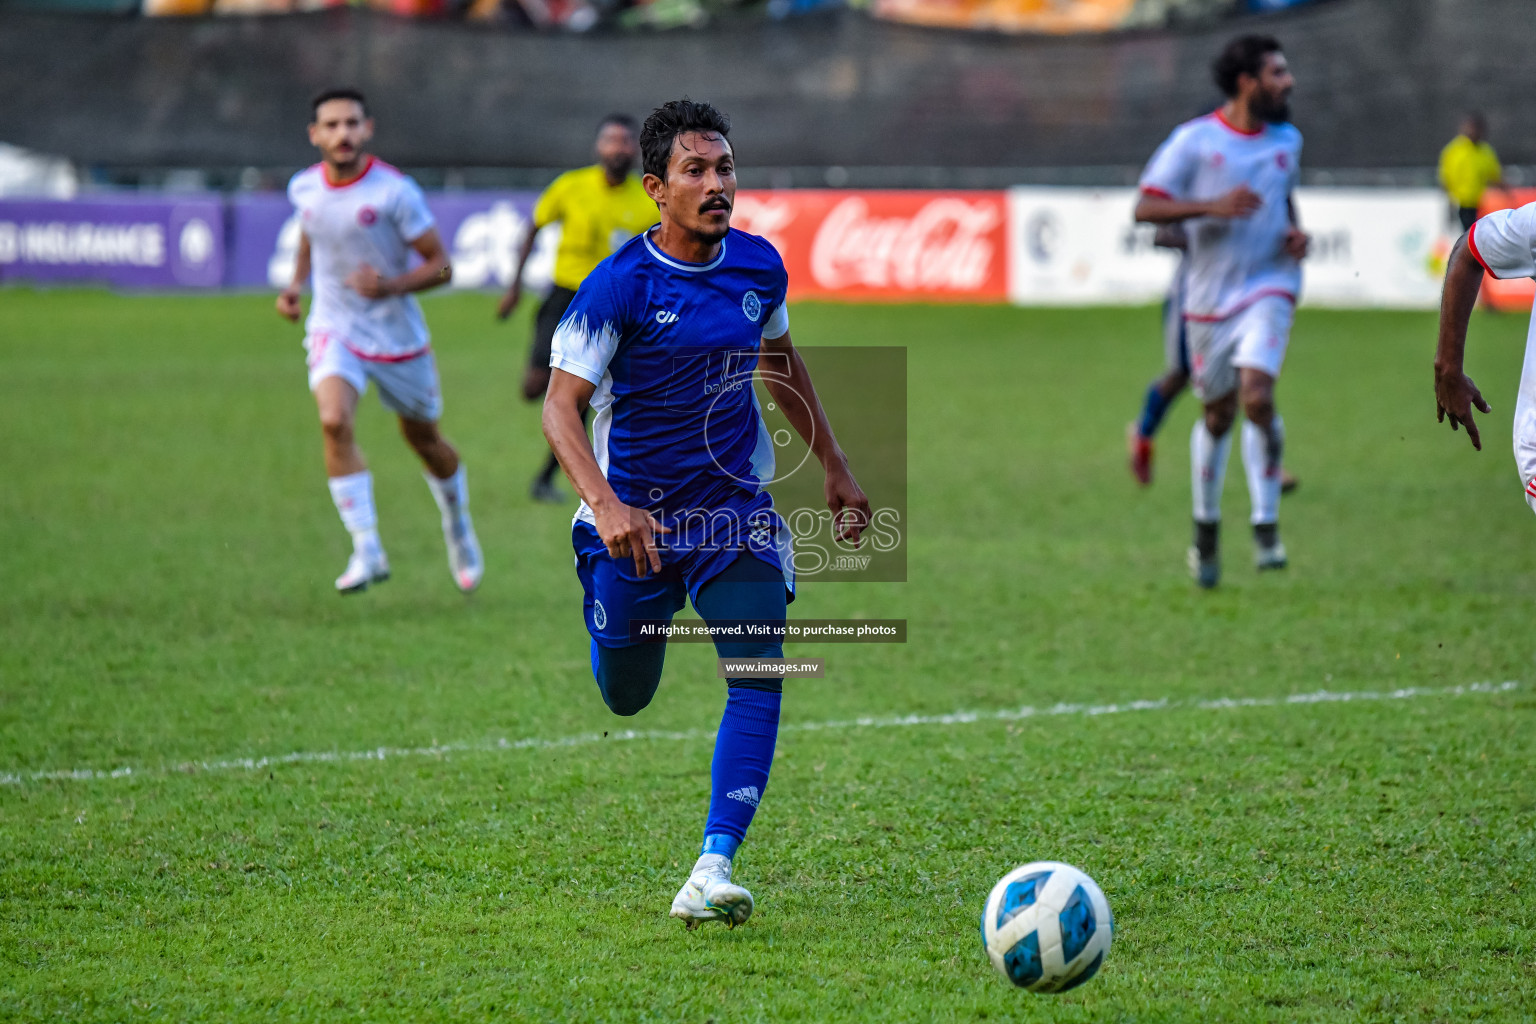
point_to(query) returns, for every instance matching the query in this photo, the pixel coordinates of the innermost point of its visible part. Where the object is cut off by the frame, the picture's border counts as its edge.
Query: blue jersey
(671, 348)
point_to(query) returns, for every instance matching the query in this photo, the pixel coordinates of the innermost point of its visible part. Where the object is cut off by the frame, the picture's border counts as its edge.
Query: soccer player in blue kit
(661, 341)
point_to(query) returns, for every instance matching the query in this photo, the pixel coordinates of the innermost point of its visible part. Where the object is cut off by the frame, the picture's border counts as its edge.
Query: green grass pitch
(166, 605)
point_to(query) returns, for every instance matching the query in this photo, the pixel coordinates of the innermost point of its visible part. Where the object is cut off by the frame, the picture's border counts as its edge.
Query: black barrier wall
(1381, 85)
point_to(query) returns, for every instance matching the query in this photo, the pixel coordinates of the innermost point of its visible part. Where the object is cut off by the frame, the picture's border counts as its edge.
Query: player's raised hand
(1297, 244)
(1240, 202)
(850, 508)
(289, 306)
(509, 301)
(1456, 396)
(368, 282)
(629, 532)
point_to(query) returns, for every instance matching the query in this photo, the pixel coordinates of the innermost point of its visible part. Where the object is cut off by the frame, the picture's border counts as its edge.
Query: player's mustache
(717, 203)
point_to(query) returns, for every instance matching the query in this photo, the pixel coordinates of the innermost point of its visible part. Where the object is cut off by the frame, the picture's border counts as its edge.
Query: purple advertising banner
(482, 231)
(126, 242)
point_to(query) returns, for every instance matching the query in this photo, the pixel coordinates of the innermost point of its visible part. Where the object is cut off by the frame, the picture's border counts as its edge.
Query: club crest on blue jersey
(752, 306)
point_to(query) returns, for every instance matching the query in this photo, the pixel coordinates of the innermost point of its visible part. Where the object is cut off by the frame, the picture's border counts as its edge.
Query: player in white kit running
(1504, 244)
(361, 221)
(1228, 177)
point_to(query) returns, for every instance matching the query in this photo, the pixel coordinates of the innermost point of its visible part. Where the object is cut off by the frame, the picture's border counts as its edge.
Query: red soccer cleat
(1140, 449)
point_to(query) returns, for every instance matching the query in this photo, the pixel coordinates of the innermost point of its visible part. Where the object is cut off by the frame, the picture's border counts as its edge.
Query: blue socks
(1152, 411)
(739, 774)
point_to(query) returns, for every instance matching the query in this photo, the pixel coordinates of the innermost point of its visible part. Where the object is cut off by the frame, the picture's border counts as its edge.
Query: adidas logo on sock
(746, 794)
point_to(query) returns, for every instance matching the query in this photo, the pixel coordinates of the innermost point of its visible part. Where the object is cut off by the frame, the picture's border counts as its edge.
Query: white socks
(353, 496)
(1208, 470)
(452, 496)
(1261, 461)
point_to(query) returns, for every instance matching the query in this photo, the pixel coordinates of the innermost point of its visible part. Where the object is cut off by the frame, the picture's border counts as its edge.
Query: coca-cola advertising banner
(885, 246)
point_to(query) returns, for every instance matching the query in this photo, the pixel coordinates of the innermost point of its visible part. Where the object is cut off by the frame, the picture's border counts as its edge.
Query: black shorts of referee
(536, 380)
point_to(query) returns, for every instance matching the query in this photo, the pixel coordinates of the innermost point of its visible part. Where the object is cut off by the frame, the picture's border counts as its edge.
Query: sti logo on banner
(484, 232)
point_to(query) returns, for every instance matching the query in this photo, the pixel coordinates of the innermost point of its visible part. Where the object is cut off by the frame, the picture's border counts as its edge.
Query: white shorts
(1525, 422)
(408, 386)
(1254, 338)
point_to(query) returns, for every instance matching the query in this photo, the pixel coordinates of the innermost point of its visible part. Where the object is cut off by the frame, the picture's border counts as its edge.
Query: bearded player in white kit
(361, 220)
(1228, 177)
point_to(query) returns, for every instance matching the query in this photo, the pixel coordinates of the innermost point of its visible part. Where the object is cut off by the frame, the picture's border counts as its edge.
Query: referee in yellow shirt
(1468, 166)
(598, 208)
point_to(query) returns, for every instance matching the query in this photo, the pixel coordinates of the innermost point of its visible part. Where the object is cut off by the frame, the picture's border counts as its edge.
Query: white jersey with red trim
(1504, 242)
(1232, 262)
(371, 219)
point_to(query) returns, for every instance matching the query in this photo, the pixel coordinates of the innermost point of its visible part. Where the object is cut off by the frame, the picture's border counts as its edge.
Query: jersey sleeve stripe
(575, 369)
(1472, 248)
(1159, 193)
(778, 324)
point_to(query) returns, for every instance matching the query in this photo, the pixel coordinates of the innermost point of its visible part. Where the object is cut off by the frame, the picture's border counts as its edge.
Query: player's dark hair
(1476, 119)
(1242, 56)
(341, 93)
(622, 120)
(668, 121)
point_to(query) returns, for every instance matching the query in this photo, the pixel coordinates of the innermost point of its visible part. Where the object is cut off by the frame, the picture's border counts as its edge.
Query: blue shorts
(700, 548)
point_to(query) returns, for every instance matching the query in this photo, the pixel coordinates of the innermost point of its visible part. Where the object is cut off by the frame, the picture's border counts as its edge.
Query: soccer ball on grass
(1047, 926)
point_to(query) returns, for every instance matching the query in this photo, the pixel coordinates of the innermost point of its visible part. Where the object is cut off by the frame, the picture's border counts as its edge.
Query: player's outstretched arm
(289, 305)
(789, 382)
(627, 532)
(434, 270)
(1455, 394)
(514, 292)
(1152, 208)
(1297, 242)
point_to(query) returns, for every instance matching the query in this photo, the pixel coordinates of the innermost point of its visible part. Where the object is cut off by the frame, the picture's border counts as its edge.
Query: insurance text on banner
(122, 241)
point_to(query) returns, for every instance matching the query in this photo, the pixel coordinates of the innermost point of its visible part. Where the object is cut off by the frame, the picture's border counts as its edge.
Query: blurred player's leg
(1262, 451)
(1263, 334)
(1208, 454)
(1162, 392)
(1160, 397)
(410, 389)
(536, 382)
(351, 484)
(1214, 380)
(449, 484)
(749, 590)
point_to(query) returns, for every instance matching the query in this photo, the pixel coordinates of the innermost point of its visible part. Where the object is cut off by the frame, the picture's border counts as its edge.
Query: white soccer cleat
(464, 559)
(1272, 557)
(363, 568)
(710, 895)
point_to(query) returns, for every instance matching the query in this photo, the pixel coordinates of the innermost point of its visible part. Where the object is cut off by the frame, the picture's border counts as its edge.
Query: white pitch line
(648, 735)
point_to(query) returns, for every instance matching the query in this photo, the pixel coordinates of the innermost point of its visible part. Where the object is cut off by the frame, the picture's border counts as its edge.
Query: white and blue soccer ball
(1047, 927)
